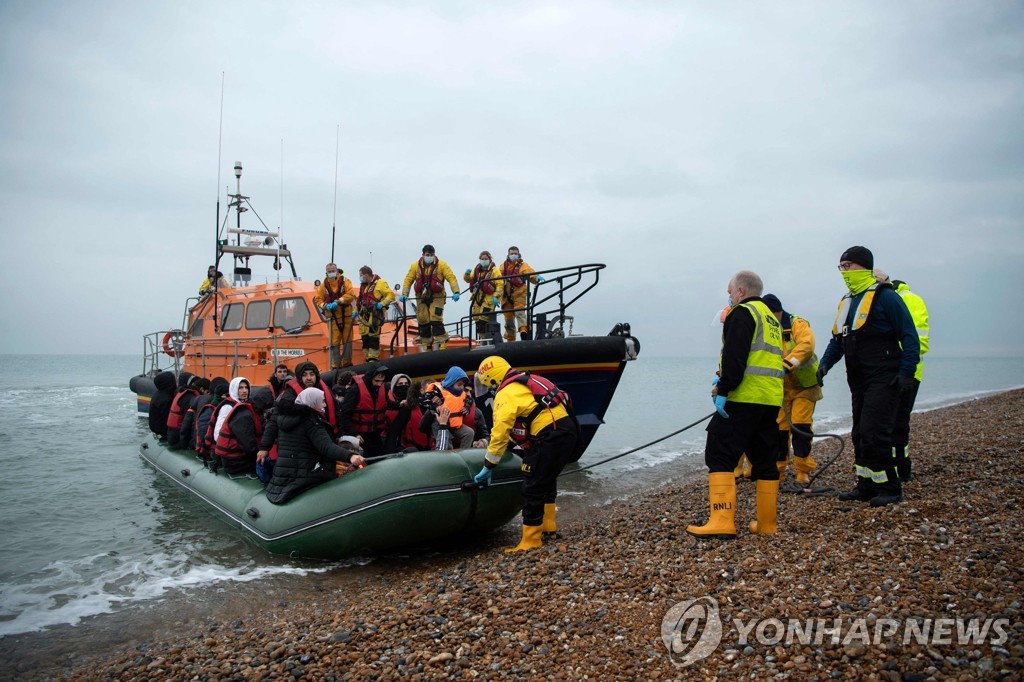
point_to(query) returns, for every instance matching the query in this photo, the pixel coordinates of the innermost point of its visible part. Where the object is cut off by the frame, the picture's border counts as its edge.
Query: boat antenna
(216, 227)
(334, 223)
(280, 229)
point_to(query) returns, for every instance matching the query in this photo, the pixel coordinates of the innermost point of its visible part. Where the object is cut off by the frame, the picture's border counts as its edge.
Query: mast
(334, 223)
(216, 225)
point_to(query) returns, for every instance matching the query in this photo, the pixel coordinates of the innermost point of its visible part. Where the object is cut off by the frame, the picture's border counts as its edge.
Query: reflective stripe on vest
(839, 327)
(762, 377)
(807, 372)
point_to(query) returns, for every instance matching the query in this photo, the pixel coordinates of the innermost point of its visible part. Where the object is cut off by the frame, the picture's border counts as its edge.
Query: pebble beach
(590, 604)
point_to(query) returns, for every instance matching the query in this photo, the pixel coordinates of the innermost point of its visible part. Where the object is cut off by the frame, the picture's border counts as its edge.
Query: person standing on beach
(800, 392)
(335, 298)
(750, 384)
(875, 333)
(534, 414)
(426, 277)
(901, 429)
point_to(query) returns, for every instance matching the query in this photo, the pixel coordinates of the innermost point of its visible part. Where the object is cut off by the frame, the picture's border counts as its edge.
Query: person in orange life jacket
(176, 412)
(278, 380)
(363, 412)
(800, 391)
(160, 403)
(307, 451)
(426, 277)
(372, 301)
(876, 334)
(204, 408)
(178, 421)
(237, 430)
(453, 428)
(546, 430)
(747, 397)
(214, 280)
(335, 298)
(513, 297)
(486, 286)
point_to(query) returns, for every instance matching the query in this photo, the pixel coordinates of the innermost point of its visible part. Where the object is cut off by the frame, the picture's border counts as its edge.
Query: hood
(261, 398)
(302, 367)
(165, 381)
(219, 386)
(453, 375)
(183, 379)
(394, 380)
(233, 386)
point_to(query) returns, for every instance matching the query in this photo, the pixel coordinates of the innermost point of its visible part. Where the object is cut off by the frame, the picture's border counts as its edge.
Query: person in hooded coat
(160, 403)
(188, 422)
(187, 391)
(452, 422)
(204, 408)
(363, 412)
(307, 375)
(237, 430)
(306, 451)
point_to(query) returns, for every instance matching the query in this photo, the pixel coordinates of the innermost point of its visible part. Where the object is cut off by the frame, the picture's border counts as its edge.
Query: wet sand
(591, 602)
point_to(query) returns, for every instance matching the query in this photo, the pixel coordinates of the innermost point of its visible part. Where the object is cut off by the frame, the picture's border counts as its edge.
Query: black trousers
(900, 430)
(874, 401)
(750, 429)
(543, 461)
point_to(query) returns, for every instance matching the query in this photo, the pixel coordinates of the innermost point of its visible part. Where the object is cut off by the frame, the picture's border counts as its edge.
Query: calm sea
(90, 528)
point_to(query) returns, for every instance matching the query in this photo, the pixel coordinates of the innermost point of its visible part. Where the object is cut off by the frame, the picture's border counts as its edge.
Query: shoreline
(592, 601)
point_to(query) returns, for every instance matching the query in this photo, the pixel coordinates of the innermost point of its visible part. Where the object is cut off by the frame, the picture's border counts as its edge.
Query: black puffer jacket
(305, 454)
(160, 403)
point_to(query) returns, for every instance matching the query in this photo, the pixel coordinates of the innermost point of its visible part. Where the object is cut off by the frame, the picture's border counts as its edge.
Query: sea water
(90, 528)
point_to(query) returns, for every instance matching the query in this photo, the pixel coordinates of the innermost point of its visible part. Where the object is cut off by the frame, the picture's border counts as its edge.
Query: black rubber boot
(886, 498)
(858, 494)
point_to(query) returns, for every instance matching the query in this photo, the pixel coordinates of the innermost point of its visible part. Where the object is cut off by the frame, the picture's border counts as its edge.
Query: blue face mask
(428, 259)
(484, 262)
(513, 256)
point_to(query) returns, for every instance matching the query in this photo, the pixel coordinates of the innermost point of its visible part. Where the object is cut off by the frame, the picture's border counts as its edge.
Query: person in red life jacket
(278, 380)
(160, 403)
(452, 418)
(403, 430)
(363, 412)
(513, 297)
(486, 286)
(372, 303)
(307, 452)
(179, 405)
(204, 408)
(188, 422)
(307, 376)
(178, 421)
(426, 277)
(236, 431)
(335, 298)
(534, 414)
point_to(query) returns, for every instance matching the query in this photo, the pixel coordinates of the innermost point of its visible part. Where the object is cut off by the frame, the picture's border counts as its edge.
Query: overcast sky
(677, 142)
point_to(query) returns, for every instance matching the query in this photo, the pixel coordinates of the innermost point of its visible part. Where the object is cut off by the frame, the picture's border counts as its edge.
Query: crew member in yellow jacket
(372, 301)
(513, 298)
(800, 392)
(747, 396)
(485, 288)
(534, 414)
(426, 277)
(901, 429)
(335, 298)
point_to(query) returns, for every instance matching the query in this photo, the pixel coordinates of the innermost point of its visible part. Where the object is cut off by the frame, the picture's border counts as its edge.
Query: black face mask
(401, 391)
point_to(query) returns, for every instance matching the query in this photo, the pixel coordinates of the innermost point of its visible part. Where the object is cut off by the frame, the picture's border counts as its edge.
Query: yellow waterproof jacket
(516, 401)
(381, 293)
(919, 313)
(341, 291)
(799, 359)
(490, 277)
(515, 288)
(442, 271)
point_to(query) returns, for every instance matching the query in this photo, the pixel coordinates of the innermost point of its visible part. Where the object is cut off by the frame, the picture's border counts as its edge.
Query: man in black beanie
(875, 333)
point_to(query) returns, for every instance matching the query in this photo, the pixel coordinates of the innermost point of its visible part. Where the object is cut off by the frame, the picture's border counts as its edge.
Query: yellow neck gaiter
(858, 281)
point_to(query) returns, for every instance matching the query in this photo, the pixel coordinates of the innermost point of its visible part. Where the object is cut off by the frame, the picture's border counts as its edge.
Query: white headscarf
(222, 415)
(313, 398)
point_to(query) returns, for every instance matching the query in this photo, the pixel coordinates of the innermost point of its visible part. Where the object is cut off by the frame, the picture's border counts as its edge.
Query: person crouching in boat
(188, 390)
(403, 417)
(236, 431)
(451, 417)
(533, 413)
(372, 302)
(335, 298)
(363, 412)
(306, 451)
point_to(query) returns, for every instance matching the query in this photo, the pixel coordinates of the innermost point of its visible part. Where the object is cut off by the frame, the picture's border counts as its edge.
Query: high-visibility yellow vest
(762, 378)
(840, 328)
(919, 313)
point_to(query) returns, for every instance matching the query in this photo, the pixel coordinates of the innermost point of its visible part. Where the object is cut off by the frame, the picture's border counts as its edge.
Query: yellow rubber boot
(804, 467)
(531, 540)
(767, 508)
(722, 499)
(549, 526)
(781, 466)
(747, 466)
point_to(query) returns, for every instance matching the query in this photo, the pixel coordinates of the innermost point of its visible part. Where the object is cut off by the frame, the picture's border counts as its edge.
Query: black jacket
(160, 403)
(305, 454)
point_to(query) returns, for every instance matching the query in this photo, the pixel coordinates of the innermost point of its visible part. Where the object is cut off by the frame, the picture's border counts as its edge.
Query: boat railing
(167, 346)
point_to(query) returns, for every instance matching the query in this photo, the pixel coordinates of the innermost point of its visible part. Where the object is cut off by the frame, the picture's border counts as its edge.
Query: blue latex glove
(355, 315)
(401, 299)
(455, 297)
(540, 280)
(483, 478)
(469, 271)
(494, 300)
(332, 306)
(714, 382)
(720, 405)
(379, 305)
